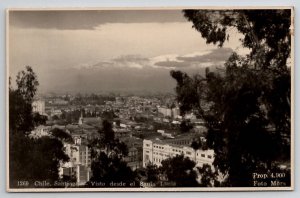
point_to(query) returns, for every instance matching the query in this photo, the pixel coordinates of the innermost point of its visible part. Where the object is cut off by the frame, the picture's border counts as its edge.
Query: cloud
(89, 19)
(94, 65)
(200, 59)
(216, 55)
(171, 64)
(165, 57)
(131, 57)
(125, 61)
(130, 61)
(196, 54)
(197, 59)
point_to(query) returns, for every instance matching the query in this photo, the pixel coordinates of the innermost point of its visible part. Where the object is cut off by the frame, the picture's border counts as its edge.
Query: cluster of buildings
(148, 141)
(78, 168)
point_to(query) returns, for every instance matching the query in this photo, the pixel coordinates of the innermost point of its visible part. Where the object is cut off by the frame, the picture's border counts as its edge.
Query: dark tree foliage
(107, 133)
(180, 170)
(27, 83)
(108, 115)
(185, 126)
(55, 117)
(196, 145)
(107, 141)
(152, 173)
(108, 163)
(20, 100)
(71, 116)
(208, 176)
(107, 169)
(35, 160)
(39, 119)
(20, 116)
(247, 107)
(62, 135)
(30, 159)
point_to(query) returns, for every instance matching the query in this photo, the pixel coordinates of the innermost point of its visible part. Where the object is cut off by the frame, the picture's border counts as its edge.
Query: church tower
(80, 121)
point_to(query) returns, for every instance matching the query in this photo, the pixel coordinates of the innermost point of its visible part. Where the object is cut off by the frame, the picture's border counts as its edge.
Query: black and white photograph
(150, 99)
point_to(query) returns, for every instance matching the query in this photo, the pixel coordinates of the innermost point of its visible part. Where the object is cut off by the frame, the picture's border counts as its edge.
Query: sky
(110, 50)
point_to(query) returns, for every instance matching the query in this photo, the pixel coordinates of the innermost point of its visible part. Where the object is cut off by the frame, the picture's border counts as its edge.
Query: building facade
(155, 151)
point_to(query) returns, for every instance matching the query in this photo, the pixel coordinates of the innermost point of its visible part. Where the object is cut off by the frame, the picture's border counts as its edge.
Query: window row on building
(154, 151)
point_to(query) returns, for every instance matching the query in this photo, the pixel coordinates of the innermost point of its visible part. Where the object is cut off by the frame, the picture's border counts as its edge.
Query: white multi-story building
(79, 155)
(165, 111)
(155, 151)
(168, 112)
(176, 112)
(80, 161)
(38, 106)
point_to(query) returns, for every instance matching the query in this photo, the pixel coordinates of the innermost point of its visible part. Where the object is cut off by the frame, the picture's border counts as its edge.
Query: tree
(20, 117)
(246, 107)
(108, 163)
(108, 115)
(152, 173)
(46, 155)
(107, 169)
(185, 126)
(20, 100)
(27, 83)
(208, 177)
(62, 135)
(55, 117)
(180, 170)
(30, 159)
(39, 119)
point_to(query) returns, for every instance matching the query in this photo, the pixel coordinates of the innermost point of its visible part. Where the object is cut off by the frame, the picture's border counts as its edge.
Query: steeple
(80, 121)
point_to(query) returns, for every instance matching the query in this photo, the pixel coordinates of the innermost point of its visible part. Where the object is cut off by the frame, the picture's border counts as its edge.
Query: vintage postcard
(150, 99)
